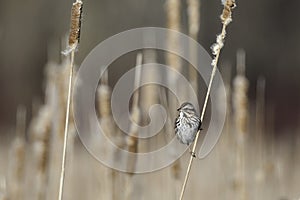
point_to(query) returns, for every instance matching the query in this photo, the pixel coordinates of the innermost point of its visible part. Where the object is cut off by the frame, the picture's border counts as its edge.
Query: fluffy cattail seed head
(227, 11)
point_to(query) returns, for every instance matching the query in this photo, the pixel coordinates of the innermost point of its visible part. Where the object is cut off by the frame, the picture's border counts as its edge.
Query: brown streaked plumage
(187, 123)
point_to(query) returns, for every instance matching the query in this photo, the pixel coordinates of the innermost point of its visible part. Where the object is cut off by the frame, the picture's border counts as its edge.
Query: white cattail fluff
(216, 47)
(226, 19)
(227, 11)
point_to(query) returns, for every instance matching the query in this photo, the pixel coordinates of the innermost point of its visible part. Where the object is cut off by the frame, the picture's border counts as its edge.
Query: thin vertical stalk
(198, 133)
(194, 25)
(63, 164)
(132, 140)
(259, 135)
(18, 154)
(216, 48)
(240, 107)
(173, 9)
(74, 37)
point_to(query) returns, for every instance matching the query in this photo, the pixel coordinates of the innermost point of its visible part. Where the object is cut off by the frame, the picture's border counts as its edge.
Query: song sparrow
(187, 124)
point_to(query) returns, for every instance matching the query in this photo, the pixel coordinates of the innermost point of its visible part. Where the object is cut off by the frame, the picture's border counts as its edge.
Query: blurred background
(267, 30)
(33, 33)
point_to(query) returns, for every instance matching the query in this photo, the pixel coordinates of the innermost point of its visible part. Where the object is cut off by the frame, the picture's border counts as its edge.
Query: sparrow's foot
(192, 153)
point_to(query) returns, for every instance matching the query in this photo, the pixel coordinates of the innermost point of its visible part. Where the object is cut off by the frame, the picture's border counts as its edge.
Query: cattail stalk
(216, 49)
(260, 115)
(40, 128)
(132, 139)
(226, 74)
(260, 128)
(260, 110)
(173, 9)
(17, 163)
(63, 165)
(73, 42)
(105, 190)
(173, 22)
(103, 95)
(40, 139)
(194, 25)
(240, 106)
(148, 95)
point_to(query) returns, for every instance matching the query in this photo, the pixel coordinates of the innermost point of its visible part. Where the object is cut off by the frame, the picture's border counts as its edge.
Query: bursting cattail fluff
(227, 11)
(226, 19)
(228, 6)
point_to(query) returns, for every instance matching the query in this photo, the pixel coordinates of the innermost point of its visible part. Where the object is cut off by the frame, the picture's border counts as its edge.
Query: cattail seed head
(227, 11)
(74, 35)
(75, 23)
(193, 11)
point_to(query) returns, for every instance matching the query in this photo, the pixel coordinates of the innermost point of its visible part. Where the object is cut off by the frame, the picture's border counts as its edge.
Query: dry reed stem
(105, 190)
(226, 74)
(216, 48)
(260, 106)
(40, 136)
(240, 106)
(108, 190)
(104, 106)
(73, 42)
(63, 165)
(194, 17)
(132, 139)
(148, 96)
(194, 25)
(17, 163)
(173, 22)
(40, 128)
(104, 109)
(173, 8)
(105, 117)
(55, 103)
(260, 118)
(103, 94)
(259, 139)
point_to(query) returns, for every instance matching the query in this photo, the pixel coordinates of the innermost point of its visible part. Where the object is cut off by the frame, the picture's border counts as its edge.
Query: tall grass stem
(229, 4)
(63, 164)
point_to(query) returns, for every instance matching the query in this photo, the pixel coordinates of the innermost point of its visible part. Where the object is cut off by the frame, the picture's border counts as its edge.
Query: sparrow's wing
(177, 121)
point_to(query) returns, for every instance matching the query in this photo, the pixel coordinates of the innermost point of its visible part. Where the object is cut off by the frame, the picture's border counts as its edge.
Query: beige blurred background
(32, 33)
(268, 30)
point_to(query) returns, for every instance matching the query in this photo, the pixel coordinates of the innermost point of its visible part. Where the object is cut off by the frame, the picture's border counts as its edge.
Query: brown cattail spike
(74, 35)
(75, 23)
(226, 14)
